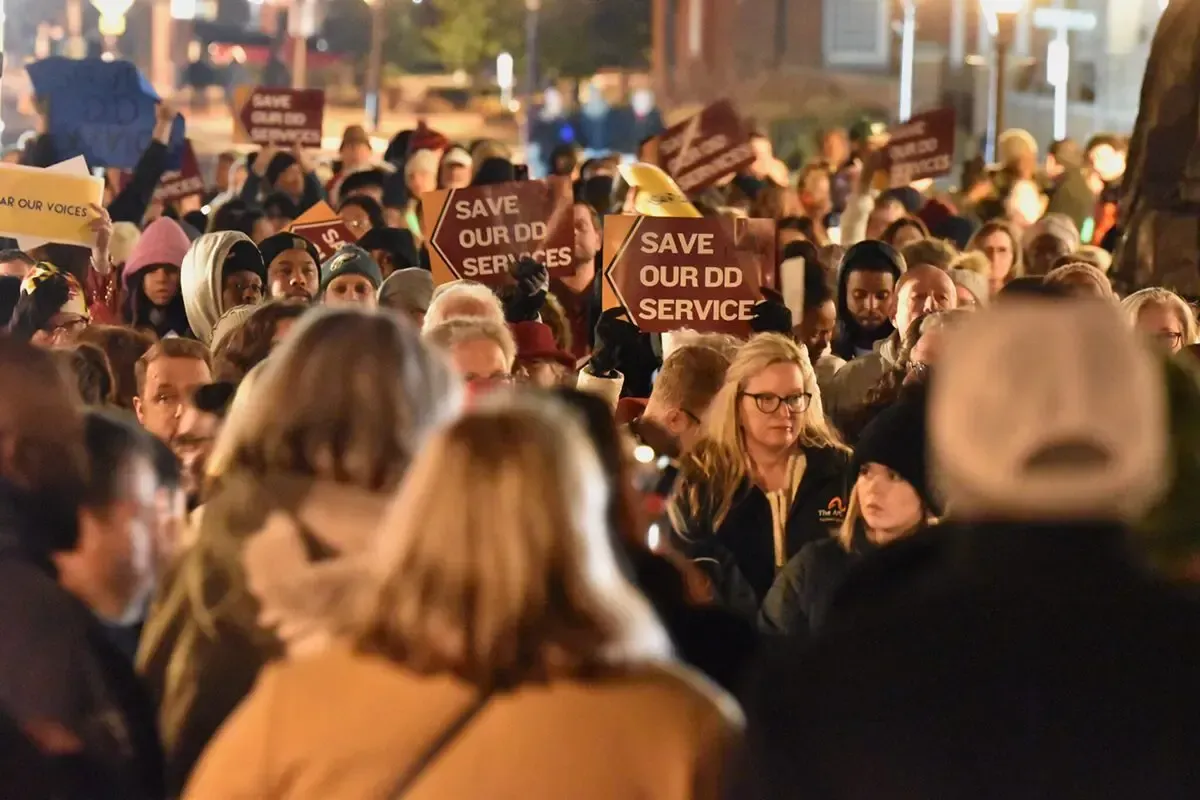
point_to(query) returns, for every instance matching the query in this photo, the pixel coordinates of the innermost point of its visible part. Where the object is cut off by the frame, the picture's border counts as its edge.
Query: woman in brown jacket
(327, 431)
(494, 649)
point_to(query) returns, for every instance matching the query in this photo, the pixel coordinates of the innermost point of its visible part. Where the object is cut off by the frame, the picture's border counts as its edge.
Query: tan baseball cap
(1048, 410)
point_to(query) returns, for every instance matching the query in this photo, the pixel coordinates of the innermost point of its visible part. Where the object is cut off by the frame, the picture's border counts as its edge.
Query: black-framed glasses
(769, 403)
(918, 370)
(691, 416)
(1172, 339)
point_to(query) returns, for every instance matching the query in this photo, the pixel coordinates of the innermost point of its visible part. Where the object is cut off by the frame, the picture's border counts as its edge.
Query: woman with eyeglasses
(767, 477)
(481, 350)
(890, 501)
(1162, 315)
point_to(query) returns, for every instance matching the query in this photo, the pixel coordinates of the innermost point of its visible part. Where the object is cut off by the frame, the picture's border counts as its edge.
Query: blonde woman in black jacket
(767, 478)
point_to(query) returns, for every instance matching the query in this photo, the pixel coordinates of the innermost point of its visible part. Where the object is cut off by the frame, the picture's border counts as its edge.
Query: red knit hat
(426, 138)
(163, 242)
(535, 342)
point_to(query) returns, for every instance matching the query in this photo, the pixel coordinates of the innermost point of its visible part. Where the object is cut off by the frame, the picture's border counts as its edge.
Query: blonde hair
(1134, 303)
(712, 472)
(930, 253)
(1081, 276)
(460, 330)
(348, 398)
(973, 261)
(483, 300)
(845, 532)
(508, 590)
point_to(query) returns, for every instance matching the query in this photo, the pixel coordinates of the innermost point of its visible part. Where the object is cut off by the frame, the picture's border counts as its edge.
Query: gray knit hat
(408, 290)
(973, 282)
(1073, 410)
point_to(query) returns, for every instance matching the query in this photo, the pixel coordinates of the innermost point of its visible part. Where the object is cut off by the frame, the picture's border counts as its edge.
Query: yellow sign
(655, 193)
(48, 205)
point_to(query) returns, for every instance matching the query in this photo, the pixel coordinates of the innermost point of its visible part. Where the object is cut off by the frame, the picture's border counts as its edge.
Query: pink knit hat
(163, 242)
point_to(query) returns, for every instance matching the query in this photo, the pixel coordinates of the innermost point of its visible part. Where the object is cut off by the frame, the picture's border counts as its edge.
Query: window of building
(856, 32)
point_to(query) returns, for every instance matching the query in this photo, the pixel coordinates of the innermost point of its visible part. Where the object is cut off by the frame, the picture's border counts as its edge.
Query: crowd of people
(273, 526)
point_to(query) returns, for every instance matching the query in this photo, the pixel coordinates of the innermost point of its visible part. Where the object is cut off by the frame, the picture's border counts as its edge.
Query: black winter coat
(1026, 662)
(57, 665)
(739, 555)
(804, 590)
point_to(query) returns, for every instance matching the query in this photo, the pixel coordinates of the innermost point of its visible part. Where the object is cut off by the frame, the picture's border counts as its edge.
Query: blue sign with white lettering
(101, 110)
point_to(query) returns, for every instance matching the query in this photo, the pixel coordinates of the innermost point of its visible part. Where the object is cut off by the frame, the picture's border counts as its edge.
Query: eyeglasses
(1170, 338)
(691, 416)
(918, 370)
(769, 403)
(70, 325)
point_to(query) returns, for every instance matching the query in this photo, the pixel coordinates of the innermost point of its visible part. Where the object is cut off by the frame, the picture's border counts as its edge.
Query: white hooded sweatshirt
(200, 280)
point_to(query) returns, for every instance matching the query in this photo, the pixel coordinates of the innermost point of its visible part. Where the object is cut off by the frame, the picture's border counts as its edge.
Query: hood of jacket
(850, 334)
(308, 560)
(200, 280)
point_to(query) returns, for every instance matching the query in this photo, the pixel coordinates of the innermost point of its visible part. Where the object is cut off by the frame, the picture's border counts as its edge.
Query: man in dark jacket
(867, 281)
(57, 668)
(1034, 658)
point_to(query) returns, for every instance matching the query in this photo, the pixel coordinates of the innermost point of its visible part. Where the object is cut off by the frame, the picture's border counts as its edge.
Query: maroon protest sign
(182, 182)
(921, 148)
(480, 232)
(324, 228)
(279, 117)
(705, 148)
(705, 273)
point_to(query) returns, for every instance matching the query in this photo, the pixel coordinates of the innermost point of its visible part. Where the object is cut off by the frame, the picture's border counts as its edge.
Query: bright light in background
(993, 9)
(505, 79)
(653, 537)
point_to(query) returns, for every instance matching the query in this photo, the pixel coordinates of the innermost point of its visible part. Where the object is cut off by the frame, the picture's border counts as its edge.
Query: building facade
(826, 59)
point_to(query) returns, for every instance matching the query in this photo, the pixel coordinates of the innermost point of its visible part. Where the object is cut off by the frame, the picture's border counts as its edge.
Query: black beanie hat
(874, 255)
(896, 439)
(279, 163)
(243, 256)
(350, 260)
(272, 246)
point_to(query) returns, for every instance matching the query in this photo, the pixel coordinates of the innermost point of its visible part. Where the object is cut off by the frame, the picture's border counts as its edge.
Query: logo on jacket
(834, 513)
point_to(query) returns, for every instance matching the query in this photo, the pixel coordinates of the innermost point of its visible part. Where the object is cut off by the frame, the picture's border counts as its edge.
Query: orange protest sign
(705, 274)
(478, 233)
(322, 226)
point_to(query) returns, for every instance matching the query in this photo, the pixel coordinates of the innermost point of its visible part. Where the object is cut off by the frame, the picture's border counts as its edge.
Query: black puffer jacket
(804, 590)
(739, 554)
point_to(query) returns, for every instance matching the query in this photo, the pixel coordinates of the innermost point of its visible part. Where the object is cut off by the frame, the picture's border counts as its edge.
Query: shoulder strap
(435, 748)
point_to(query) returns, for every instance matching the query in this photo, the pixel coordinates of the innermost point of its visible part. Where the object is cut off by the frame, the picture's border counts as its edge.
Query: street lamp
(504, 79)
(532, 7)
(1001, 16)
(112, 20)
(1062, 22)
(908, 35)
(374, 108)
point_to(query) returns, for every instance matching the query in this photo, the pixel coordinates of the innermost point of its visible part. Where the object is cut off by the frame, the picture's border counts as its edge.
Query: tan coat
(198, 667)
(345, 726)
